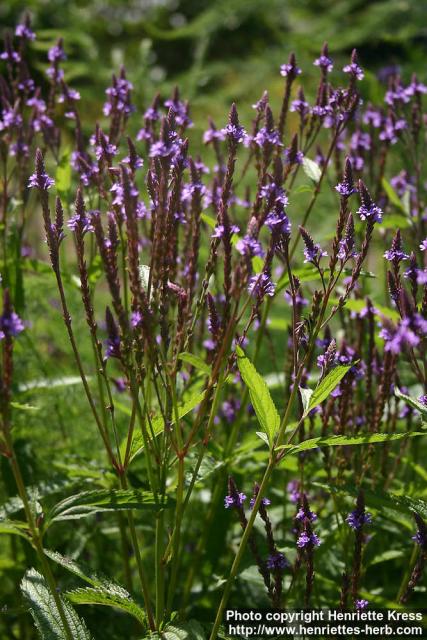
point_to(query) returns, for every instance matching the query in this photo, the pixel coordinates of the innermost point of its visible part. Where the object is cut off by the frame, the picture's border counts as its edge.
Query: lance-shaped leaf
(15, 527)
(45, 612)
(87, 503)
(345, 441)
(114, 596)
(326, 386)
(261, 400)
(195, 361)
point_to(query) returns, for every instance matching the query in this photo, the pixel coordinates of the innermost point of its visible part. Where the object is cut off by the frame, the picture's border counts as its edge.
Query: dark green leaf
(45, 612)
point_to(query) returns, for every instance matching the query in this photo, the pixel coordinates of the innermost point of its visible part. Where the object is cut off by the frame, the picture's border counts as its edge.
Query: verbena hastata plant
(185, 266)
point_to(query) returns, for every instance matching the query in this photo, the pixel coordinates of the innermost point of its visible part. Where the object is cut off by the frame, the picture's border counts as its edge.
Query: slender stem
(35, 535)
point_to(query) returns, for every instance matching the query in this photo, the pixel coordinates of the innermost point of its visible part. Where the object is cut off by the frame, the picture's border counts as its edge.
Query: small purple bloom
(261, 285)
(264, 501)
(306, 539)
(10, 324)
(357, 519)
(361, 604)
(219, 230)
(237, 501)
(277, 561)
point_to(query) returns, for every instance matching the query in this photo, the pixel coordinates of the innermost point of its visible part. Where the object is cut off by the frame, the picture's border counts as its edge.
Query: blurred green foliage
(219, 50)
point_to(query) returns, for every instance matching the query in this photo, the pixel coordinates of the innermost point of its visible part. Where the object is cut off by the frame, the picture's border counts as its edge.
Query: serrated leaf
(195, 361)
(77, 569)
(345, 441)
(326, 386)
(45, 612)
(87, 503)
(158, 426)
(191, 630)
(305, 398)
(311, 169)
(15, 527)
(261, 400)
(413, 402)
(63, 173)
(115, 597)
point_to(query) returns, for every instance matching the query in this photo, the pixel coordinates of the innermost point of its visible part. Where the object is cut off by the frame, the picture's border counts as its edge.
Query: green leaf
(264, 437)
(195, 361)
(311, 169)
(379, 499)
(379, 310)
(115, 597)
(15, 527)
(23, 407)
(87, 503)
(102, 591)
(326, 386)
(158, 426)
(392, 195)
(308, 273)
(344, 441)
(45, 612)
(415, 404)
(306, 395)
(191, 630)
(261, 400)
(63, 173)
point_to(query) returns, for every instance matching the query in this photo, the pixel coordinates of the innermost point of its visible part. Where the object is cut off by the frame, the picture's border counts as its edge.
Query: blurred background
(222, 50)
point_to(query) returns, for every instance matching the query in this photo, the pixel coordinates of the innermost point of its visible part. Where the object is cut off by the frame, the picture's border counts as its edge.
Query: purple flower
(39, 178)
(264, 136)
(234, 132)
(275, 192)
(302, 513)
(24, 31)
(346, 188)
(372, 116)
(248, 246)
(56, 52)
(277, 561)
(264, 501)
(396, 338)
(261, 285)
(234, 501)
(290, 69)
(368, 209)
(324, 61)
(306, 539)
(396, 254)
(423, 245)
(212, 134)
(229, 408)
(361, 604)
(10, 324)
(353, 68)
(293, 490)
(312, 250)
(136, 319)
(356, 519)
(219, 230)
(278, 222)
